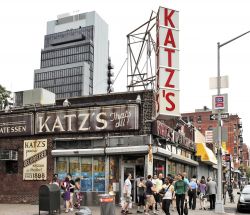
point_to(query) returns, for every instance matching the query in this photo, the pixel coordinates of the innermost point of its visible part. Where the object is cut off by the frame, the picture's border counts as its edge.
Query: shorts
(127, 198)
(150, 199)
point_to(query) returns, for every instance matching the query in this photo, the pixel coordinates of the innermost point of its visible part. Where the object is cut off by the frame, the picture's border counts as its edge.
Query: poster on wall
(35, 159)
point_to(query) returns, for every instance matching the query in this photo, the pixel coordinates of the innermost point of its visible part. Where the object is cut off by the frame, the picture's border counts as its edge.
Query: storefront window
(159, 167)
(61, 166)
(171, 168)
(99, 174)
(114, 174)
(86, 173)
(74, 167)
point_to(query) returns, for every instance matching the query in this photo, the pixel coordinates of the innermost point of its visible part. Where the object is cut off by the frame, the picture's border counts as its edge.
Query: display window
(113, 174)
(61, 167)
(86, 174)
(159, 167)
(99, 174)
(74, 167)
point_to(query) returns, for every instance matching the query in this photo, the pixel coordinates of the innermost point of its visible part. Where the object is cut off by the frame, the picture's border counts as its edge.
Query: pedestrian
(202, 196)
(180, 188)
(192, 193)
(141, 195)
(78, 194)
(168, 195)
(158, 186)
(150, 189)
(211, 191)
(71, 189)
(66, 193)
(127, 188)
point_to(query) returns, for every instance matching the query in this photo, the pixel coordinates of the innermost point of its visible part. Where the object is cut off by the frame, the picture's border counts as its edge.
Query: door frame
(133, 177)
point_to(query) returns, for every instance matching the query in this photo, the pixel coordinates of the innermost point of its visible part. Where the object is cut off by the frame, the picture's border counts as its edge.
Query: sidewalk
(27, 209)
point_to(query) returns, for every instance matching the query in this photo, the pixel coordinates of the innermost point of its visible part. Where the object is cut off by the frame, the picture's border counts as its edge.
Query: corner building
(98, 138)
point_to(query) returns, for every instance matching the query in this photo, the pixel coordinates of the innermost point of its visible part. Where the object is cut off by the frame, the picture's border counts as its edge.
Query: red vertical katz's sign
(167, 63)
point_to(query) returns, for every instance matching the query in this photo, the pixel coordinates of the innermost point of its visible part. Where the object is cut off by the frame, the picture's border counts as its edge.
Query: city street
(27, 209)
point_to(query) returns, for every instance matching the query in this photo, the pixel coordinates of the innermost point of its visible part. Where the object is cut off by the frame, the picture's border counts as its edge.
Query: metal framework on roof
(141, 49)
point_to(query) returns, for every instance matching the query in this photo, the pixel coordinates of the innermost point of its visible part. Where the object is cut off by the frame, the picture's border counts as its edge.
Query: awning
(206, 154)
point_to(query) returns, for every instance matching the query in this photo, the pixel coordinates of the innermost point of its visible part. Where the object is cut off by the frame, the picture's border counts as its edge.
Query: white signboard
(35, 159)
(167, 63)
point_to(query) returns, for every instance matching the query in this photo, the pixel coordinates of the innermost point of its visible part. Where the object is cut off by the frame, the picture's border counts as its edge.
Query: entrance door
(128, 168)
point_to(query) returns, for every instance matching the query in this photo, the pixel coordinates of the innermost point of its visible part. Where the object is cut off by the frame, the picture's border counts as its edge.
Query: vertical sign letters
(167, 63)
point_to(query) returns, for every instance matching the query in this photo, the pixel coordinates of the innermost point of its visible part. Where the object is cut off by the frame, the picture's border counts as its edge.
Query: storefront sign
(92, 119)
(167, 63)
(162, 130)
(35, 159)
(16, 125)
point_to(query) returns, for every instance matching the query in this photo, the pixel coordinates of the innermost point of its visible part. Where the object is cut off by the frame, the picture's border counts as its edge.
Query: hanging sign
(167, 63)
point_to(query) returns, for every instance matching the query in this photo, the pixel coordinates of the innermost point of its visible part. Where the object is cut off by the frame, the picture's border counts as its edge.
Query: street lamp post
(219, 207)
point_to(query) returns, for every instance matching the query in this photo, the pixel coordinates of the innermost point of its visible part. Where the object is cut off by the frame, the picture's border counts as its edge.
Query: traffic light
(110, 76)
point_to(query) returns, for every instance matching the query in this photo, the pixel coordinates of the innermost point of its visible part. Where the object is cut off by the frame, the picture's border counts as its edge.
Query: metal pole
(219, 207)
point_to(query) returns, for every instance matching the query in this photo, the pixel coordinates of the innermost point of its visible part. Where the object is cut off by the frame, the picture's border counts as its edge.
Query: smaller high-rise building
(74, 61)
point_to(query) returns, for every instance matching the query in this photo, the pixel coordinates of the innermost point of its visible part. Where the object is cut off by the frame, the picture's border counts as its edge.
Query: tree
(4, 95)
(248, 172)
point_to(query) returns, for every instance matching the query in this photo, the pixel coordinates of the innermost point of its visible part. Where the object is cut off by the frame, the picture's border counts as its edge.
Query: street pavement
(27, 209)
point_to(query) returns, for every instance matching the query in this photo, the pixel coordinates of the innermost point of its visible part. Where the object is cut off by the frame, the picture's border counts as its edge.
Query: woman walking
(202, 188)
(167, 198)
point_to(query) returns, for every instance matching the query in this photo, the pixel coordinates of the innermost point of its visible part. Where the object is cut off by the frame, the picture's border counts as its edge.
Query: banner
(35, 159)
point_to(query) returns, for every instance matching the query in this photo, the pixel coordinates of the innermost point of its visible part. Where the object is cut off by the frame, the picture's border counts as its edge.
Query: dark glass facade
(60, 71)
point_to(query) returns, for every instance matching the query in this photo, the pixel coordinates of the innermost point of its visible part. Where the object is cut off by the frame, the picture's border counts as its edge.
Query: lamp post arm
(223, 44)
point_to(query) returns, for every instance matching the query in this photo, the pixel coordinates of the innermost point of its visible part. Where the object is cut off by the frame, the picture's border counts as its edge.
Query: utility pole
(219, 207)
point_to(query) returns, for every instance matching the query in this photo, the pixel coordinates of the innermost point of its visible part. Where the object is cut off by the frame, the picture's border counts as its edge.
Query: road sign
(215, 116)
(220, 103)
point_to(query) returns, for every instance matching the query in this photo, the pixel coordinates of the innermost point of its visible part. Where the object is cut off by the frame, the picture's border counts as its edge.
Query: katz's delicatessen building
(97, 138)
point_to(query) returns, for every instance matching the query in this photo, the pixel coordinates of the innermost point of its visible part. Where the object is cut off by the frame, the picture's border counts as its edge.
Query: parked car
(244, 199)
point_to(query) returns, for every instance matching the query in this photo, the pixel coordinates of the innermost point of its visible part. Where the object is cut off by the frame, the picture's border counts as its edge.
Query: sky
(202, 25)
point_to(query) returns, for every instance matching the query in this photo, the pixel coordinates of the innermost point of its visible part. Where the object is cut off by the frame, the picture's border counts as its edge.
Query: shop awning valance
(206, 154)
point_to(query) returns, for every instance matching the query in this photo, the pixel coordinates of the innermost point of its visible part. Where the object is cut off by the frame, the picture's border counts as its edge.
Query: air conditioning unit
(8, 155)
(37, 96)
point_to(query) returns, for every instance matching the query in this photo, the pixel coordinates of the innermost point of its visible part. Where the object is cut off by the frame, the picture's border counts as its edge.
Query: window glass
(86, 168)
(61, 167)
(11, 167)
(74, 167)
(99, 174)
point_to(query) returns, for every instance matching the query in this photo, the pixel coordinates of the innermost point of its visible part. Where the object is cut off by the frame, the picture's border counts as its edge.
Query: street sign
(220, 103)
(215, 116)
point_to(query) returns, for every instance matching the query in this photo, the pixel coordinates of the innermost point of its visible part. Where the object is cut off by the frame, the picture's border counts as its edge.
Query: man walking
(211, 191)
(180, 188)
(127, 194)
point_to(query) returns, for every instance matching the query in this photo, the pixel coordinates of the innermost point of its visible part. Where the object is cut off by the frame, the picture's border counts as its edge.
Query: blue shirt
(193, 185)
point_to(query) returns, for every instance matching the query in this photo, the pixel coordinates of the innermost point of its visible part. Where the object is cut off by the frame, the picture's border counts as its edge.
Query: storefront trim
(127, 150)
(184, 160)
(75, 152)
(161, 151)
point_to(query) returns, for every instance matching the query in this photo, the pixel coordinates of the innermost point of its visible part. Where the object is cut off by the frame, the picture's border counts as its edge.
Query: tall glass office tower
(75, 56)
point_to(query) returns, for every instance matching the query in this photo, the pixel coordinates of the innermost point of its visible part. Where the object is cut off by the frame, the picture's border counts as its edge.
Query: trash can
(107, 204)
(49, 198)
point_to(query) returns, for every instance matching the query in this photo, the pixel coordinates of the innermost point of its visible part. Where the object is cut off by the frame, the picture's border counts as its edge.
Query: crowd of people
(70, 191)
(170, 193)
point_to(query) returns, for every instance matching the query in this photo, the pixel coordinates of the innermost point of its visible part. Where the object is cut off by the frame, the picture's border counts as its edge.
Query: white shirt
(169, 193)
(127, 186)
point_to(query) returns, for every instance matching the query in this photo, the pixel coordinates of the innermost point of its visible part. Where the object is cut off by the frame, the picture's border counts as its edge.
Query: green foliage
(4, 95)
(248, 172)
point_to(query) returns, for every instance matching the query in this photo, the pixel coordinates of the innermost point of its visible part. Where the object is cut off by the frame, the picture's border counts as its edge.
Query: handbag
(63, 195)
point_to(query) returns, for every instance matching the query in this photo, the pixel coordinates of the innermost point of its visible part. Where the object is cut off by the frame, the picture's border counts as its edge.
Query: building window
(199, 120)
